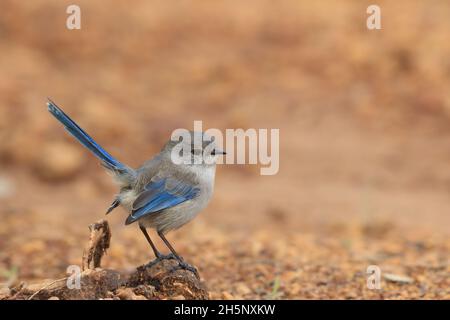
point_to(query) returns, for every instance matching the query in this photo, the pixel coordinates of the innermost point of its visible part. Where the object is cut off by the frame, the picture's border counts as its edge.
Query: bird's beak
(218, 151)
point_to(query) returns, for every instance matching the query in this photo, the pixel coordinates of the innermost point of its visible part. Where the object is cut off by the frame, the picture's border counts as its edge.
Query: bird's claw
(159, 258)
(167, 256)
(186, 266)
(181, 264)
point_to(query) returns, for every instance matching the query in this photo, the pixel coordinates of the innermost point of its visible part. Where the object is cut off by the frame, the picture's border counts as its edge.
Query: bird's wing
(161, 194)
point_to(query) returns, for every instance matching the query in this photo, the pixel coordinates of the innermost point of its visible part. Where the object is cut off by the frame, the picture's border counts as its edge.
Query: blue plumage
(108, 161)
(159, 195)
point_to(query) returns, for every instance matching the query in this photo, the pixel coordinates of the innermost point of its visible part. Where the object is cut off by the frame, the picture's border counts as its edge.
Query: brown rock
(169, 280)
(145, 290)
(242, 288)
(4, 293)
(227, 296)
(397, 278)
(127, 294)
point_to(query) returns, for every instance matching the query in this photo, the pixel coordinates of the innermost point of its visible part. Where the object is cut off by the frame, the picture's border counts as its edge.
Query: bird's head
(192, 148)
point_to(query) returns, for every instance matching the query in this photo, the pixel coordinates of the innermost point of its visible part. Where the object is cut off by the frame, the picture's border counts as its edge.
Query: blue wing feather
(157, 196)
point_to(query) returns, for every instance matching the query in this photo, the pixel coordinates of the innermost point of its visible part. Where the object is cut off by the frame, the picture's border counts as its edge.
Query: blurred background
(364, 138)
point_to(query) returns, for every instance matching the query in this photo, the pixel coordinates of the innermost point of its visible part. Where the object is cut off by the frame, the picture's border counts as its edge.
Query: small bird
(160, 194)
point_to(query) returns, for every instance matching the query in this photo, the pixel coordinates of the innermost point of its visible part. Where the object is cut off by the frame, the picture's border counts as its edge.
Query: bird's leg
(159, 256)
(181, 262)
(176, 255)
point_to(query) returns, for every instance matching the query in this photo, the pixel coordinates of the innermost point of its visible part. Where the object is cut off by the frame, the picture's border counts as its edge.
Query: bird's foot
(186, 266)
(166, 256)
(159, 258)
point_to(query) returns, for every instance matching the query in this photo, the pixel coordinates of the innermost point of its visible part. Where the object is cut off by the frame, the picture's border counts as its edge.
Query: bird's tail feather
(107, 160)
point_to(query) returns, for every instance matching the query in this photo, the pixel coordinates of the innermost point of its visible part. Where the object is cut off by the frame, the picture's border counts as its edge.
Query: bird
(162, 194)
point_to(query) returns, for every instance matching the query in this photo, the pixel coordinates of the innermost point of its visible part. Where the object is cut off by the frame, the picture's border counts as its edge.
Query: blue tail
(107, 160)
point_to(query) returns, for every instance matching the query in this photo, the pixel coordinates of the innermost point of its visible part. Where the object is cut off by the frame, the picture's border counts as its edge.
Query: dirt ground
(364, 175)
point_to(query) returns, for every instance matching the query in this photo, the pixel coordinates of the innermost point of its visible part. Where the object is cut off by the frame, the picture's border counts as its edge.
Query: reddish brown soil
(364, 141)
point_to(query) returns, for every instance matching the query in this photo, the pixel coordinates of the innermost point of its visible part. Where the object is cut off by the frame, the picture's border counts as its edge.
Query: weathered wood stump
(162, 279)
(99, 241)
